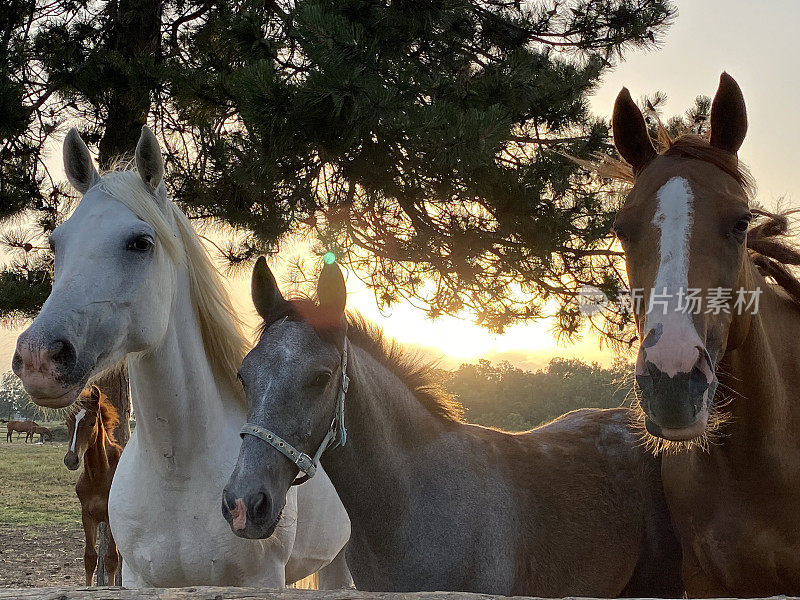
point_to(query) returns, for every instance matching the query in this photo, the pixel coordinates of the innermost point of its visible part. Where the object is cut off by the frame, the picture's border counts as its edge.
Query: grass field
(38, 489)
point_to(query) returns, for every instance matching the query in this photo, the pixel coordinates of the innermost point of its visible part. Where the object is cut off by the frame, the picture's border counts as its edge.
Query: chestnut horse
(719, 382)
(572, 508)
(25, 427)
(90, 429)
(42, 432)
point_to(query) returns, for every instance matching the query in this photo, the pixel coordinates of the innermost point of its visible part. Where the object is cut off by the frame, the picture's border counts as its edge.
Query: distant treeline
(497, 395)
(501, 395)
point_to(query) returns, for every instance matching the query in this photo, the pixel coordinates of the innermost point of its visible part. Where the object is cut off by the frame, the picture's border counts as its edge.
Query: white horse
(133, 281)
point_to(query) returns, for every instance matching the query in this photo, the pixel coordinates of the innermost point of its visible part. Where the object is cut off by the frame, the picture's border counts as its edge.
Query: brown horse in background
(90, 429)
(719, 386)
(42, 432)
(25, 427)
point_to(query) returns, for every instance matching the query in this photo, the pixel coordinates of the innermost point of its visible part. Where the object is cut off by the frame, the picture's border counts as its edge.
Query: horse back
(597, 496)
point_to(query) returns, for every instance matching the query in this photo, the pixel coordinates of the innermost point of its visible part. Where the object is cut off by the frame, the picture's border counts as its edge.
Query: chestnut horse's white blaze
(78, 418)
(668, 323)
(673, 218)
(133, 282)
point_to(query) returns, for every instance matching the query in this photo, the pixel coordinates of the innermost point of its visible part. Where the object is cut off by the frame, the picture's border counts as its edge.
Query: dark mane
(772, 253)
(699, 148)
(416, 373)
(686, 146)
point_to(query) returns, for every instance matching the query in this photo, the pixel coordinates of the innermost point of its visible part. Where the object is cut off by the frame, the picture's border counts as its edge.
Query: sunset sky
(757, 43)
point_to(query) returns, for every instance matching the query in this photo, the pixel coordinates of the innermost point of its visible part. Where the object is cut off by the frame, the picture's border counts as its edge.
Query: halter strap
(336, 436)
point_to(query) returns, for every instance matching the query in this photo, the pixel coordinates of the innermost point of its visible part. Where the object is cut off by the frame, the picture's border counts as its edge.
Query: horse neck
(183, 410)
(762, 375)
(385, 424)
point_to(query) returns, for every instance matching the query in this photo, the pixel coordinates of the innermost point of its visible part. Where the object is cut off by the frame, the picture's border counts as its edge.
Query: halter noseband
(336, 436)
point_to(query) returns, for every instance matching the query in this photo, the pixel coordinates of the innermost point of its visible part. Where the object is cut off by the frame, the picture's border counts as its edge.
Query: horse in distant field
(572, 508)
(719, 383)
(90, 431)
(42, 432)
(25, 427)
(133, 282)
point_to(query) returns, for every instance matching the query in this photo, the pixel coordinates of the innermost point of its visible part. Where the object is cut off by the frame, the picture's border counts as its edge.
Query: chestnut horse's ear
(95, 393)
(267, 297)
(331, 290)
(630, 132)
(728, 116)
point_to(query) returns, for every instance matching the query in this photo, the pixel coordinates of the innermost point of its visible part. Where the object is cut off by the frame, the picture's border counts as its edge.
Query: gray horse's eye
(321, 379)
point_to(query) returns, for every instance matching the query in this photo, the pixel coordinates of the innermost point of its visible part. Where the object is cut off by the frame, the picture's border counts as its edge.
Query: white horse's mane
(221, 328)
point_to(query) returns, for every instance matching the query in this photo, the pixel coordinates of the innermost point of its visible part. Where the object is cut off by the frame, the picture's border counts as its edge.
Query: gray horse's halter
(336, 436)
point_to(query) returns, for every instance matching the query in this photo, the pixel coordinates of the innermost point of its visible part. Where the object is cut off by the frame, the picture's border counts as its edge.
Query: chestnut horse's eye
(141, 243)
(621, 235)
(741, 226)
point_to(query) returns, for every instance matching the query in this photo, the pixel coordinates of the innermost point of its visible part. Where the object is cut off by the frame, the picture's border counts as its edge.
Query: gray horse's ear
(267, 297)
(78, 163)
(630, 132)
(331, 290)
(149, 161)
(728, 115)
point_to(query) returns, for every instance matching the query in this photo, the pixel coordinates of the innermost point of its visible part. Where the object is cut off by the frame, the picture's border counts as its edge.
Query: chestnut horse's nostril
(62, 353)
(698, 383)
(653, 371)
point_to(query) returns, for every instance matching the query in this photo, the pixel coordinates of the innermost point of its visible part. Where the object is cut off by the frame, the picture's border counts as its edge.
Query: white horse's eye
(140, 244)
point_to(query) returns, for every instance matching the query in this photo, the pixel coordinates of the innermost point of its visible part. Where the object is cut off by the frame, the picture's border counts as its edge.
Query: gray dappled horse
(573, 508)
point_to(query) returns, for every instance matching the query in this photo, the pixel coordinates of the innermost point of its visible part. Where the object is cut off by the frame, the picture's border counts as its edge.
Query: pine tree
(426, 142)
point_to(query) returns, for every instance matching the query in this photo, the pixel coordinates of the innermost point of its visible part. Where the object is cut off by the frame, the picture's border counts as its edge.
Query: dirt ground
(34, 556)
(41, 539)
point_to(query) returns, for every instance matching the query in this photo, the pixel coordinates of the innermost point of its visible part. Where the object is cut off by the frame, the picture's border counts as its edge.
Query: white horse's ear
(267, 297)
(149, 161)
(78, 163)
(331, 290)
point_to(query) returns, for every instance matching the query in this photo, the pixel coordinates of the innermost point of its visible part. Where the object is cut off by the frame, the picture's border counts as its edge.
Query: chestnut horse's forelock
(108, 414)
(768, 237)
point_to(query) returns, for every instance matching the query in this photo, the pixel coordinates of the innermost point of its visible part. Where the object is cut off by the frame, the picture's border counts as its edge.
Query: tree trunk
(136, 36)
(102, 547)
(114, 384)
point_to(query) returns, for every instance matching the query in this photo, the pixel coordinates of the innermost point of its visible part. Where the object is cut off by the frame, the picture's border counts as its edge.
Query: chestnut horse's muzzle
(676, 407)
